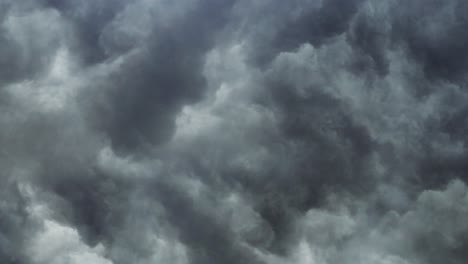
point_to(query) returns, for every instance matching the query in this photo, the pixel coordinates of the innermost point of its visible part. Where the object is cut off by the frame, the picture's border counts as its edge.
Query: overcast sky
(233, 131)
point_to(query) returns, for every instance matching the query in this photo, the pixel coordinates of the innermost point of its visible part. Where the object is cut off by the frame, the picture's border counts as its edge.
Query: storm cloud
(233, 131)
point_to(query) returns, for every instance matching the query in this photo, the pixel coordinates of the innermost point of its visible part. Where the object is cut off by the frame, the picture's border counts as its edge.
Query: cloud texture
(233, 131)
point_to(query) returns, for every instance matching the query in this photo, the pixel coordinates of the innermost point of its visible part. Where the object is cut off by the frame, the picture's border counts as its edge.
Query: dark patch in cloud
(316, 26)
(434, 34)
(311, 124)
(143, 95)
(25, 54)
(13, 235)
(93, 203)
(369, 39)
(88, 20)
(208, 238)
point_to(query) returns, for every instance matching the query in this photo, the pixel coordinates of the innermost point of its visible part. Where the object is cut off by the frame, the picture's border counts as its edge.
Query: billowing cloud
(233, 131)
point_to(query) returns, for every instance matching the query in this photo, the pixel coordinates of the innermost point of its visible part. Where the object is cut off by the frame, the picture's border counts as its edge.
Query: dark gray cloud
(437, 47)
(197, 131)
(141, 97)
(28, 45)
(14, 215)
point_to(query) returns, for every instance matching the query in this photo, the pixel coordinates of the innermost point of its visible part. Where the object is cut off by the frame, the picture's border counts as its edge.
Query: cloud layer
(232, 131)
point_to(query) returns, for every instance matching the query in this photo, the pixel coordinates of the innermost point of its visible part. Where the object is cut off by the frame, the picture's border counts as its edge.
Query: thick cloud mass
(233, 131)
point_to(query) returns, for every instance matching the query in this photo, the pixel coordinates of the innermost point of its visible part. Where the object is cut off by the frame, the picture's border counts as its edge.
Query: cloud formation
(233, 131)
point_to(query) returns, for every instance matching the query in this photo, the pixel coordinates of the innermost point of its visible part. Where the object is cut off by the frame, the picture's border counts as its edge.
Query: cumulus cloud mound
(233, 131)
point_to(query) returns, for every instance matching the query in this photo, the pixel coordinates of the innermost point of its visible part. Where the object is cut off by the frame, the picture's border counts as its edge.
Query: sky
(233, 131)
